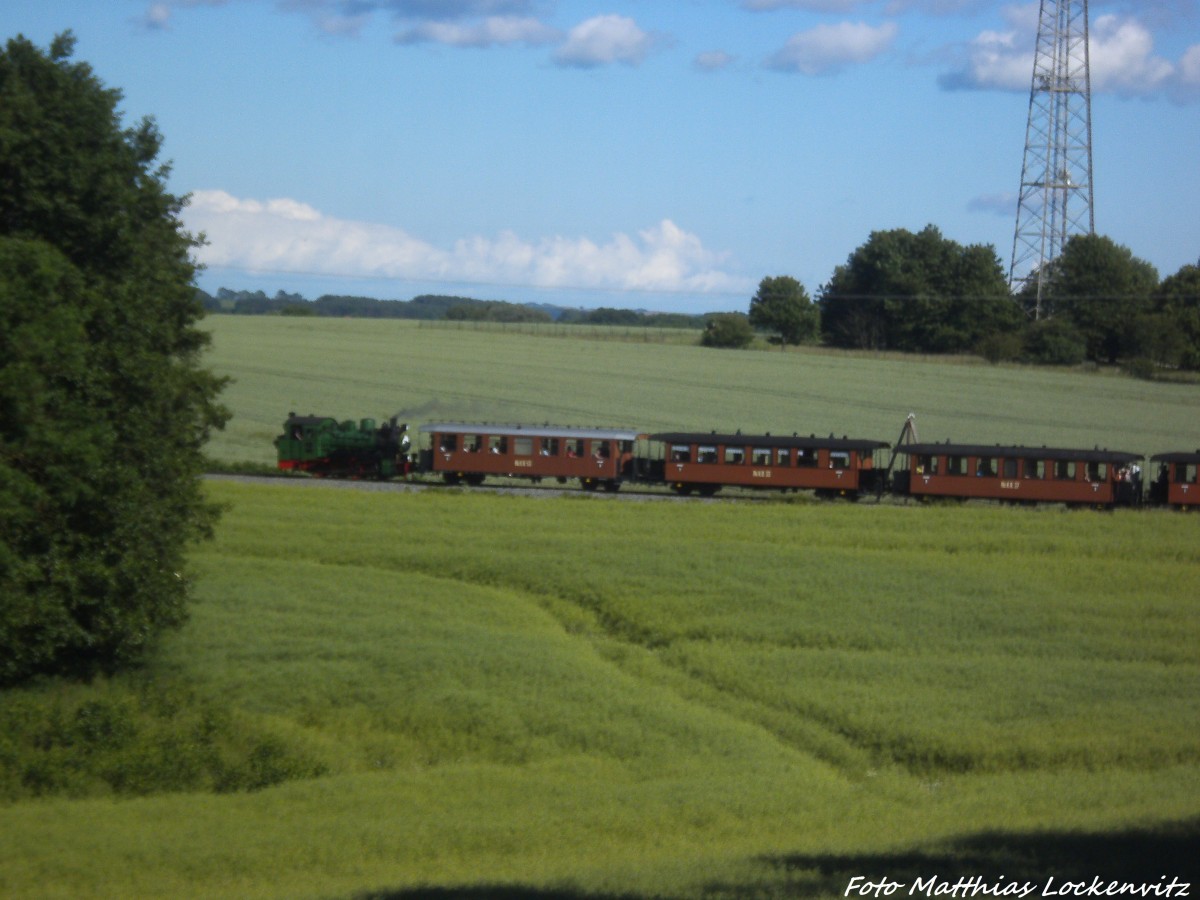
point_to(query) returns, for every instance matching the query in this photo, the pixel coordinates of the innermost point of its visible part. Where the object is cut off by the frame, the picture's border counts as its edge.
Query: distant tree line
(922, 293)
(901, 291)
(431, 307)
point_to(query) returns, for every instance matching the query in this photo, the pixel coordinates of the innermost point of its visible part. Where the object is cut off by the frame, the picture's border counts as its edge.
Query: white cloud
(712, 61)
(828, 48)
(602, 40)
(1189, 66)
(158, 17)
(1003, 205)
(810, 5)
(995, 59)
(1121, 58)
(492, 31)
(287, 236)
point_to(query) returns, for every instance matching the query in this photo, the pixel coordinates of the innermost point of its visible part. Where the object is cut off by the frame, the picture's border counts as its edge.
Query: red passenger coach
(1176, 483)
(706, 462)
(472, 452)
(1027, 474)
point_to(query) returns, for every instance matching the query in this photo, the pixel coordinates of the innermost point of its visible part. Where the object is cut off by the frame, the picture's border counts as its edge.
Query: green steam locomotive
(323, 446)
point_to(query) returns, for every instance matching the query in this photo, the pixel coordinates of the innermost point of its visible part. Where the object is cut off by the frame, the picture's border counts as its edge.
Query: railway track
(516, 488)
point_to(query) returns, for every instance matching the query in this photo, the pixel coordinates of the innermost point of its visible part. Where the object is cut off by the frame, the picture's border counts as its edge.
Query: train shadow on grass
(1056, 864)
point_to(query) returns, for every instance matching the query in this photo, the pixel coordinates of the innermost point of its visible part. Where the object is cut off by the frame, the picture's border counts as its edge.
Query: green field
(355, 368)
(451, 694)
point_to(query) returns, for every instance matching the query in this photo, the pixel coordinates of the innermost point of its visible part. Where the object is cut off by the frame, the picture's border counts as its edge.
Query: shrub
(727, 330)
(1001, 347)
(1054, 342)
(114, 738)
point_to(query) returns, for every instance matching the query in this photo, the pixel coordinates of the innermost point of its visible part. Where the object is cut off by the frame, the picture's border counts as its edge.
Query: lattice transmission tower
(1056, 174)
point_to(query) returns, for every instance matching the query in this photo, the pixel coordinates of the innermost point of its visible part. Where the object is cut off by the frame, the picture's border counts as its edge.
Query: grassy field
(588, 697)
(401, 695)
(354, 368)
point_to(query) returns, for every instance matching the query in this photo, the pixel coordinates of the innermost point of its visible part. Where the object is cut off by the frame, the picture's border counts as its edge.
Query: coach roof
(1181, 457)
(550, 431)
(1020, 452)
(767, 440)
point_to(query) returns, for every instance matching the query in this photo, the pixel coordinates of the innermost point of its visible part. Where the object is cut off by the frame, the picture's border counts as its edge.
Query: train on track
(705, 462)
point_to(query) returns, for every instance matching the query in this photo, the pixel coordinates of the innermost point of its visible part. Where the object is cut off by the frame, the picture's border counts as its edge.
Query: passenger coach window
(523, 446)
(549, 447)
(985, 467)
(735, 456)
(471, 443)
(447, 443)
(927, 465)
(706, 454)
(1097, 471)
(497, 444)
(806, 457)
(761, 456)
(681, 453)
(600, 449)
(839, 459)
(574, 447)
(1034, 468)
(956, 465)
(1009, 468)
(1064, 470)
(783, 457)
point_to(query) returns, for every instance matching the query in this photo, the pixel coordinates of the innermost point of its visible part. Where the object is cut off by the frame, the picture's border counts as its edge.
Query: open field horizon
(355, 368)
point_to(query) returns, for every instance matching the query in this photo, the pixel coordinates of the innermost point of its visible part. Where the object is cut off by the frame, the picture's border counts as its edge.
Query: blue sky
(660, 155)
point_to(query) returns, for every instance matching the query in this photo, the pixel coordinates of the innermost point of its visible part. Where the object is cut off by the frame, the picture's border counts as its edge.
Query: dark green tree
(1101, 288)
(917, 293)
(104, 405)
(729, 330)
(782, 305)
(1176, 307)
(1054, 342)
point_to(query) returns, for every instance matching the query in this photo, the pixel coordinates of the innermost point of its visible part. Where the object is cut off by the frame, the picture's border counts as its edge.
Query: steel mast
(1056, 174)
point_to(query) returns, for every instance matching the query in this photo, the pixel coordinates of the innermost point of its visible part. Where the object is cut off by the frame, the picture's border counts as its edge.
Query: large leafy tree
(917, 292)
(104, 403)
(782, 305)
(1176, 305)
(1102, 289)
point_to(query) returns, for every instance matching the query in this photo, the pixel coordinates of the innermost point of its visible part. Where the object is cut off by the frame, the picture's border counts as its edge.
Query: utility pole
(1056, 173)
